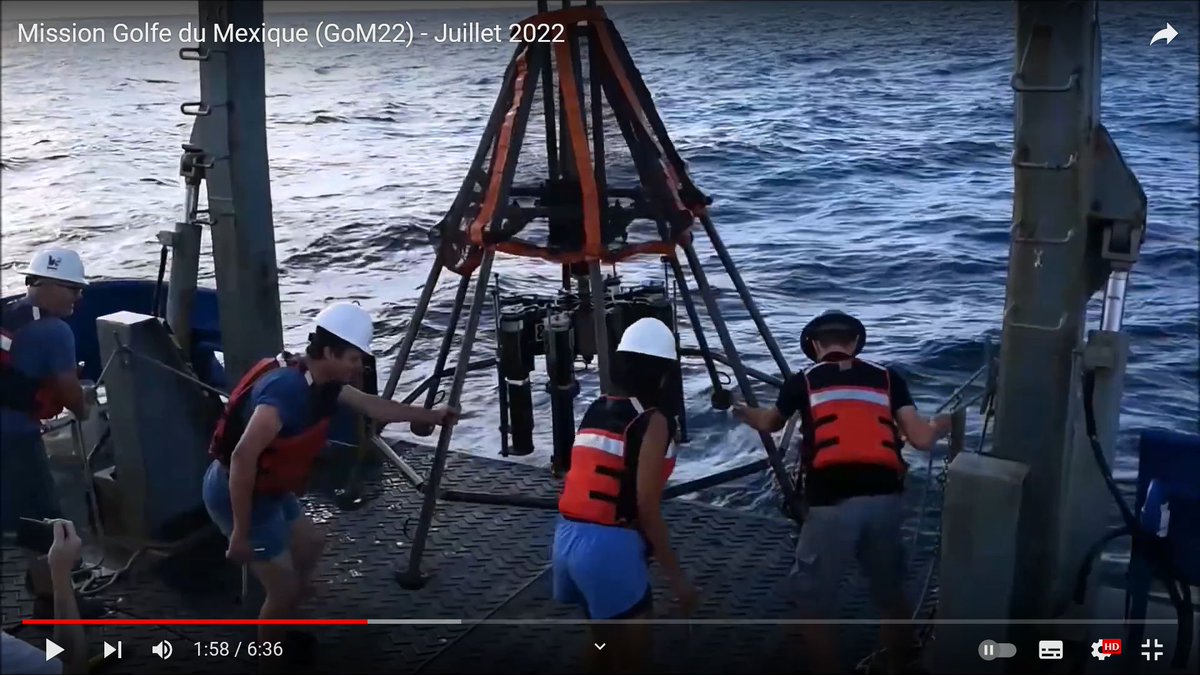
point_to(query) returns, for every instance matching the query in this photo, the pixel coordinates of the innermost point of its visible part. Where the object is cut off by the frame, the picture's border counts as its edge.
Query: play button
(52, 650)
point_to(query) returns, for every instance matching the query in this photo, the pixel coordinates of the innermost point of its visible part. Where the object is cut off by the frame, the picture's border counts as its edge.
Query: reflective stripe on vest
(601, 485)
(285, 465)
(38, 398)
(853, 424)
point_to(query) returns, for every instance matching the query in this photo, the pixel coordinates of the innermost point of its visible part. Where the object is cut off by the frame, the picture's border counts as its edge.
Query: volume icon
(162, 650)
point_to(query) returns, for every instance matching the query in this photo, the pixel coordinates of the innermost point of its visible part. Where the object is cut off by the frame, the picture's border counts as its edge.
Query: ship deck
(489, 567)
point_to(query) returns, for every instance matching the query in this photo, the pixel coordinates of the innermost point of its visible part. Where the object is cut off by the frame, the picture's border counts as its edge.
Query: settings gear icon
(1096, 647)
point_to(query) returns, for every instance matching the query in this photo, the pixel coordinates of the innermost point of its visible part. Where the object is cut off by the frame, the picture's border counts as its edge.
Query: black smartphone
(35, 535)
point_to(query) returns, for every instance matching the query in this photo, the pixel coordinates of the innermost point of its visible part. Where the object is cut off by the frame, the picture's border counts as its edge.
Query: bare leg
(308, 543)
(280, 581)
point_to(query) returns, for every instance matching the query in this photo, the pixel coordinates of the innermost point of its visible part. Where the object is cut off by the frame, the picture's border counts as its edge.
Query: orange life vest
(286, 464)
(851, 416)
(601, 485)
(20, 392)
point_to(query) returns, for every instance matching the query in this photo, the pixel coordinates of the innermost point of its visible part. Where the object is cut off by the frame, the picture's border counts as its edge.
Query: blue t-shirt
(299, 405)
(42, 348)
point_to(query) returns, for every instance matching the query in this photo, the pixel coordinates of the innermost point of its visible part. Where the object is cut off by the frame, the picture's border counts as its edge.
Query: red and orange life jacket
(20, 392)
(851, 416)
(286, 464)
(601, 485)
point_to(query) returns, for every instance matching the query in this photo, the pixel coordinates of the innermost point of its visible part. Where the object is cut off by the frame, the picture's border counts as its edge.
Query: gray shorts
(862, 528)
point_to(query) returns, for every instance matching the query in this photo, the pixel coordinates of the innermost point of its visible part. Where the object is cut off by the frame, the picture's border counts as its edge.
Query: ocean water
(857, 154)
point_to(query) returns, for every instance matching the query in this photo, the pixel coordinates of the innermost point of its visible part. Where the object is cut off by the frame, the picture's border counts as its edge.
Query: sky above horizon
(23, 10)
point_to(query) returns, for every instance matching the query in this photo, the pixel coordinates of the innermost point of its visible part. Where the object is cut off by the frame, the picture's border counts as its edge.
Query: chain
(956, 403)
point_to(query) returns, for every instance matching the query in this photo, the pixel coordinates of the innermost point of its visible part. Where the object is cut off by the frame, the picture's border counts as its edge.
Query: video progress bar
(585, 622)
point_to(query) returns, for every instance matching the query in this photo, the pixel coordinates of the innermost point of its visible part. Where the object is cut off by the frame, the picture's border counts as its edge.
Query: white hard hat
(61, 264)
(349, 322)
(650, 337)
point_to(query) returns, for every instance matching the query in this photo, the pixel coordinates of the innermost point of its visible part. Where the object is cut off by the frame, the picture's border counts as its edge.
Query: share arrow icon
(1167, 34)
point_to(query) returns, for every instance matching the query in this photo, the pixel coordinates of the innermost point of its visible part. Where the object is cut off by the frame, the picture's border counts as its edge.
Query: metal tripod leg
(414, 326)
(460, 297)
(735, 362)
(744, 292)
(600, 323)
(701, 341)
(411, 578)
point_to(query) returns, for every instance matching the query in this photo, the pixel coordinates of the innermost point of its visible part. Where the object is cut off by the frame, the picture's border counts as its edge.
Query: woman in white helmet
(610, 520)
(274, 426)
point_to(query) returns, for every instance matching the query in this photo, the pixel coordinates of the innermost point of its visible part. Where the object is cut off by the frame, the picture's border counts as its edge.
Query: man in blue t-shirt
(275, 424)
(38, 370)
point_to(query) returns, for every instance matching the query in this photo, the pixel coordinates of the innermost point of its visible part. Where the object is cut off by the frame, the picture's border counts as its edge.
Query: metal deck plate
(486, 562)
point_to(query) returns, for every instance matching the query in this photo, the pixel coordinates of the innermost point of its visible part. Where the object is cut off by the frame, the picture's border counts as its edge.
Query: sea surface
(858, 156)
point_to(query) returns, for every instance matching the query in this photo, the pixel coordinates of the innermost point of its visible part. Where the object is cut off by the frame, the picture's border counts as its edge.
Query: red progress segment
(195, 622)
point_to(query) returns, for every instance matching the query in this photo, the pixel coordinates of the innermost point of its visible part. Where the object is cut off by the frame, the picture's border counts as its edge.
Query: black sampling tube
(516, 379)
(562, 387)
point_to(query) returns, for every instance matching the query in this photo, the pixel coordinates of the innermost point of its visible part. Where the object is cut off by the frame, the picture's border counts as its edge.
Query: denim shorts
(271, 517)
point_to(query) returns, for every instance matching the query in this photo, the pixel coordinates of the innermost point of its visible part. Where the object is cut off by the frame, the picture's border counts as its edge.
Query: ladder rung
(1045, 166)
(1018, 84)
(1062, 321)
(195, 108)
(1044, 241)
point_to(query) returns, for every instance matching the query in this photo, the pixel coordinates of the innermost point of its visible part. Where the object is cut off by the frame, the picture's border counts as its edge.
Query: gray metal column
(1047, 291)
(231, 128)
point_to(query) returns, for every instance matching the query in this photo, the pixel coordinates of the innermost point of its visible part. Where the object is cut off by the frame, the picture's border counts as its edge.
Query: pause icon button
(990, 649)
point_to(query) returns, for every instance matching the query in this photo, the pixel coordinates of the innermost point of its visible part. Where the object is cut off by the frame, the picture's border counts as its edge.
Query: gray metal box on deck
(161, 425)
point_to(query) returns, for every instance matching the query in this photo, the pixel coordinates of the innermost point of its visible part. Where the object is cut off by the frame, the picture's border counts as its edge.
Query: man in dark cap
(855, 416)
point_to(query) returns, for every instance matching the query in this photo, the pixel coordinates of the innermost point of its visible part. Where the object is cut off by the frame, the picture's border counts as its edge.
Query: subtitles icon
(1050, 650)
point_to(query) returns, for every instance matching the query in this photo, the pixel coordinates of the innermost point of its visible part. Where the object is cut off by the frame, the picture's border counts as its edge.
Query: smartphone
(35, 535)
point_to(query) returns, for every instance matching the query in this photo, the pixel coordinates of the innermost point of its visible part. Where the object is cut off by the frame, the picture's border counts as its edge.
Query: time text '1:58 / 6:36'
(221, 648)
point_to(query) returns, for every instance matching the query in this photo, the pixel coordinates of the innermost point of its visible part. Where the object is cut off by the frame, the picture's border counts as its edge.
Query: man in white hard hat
(273, 428)
(38, 380)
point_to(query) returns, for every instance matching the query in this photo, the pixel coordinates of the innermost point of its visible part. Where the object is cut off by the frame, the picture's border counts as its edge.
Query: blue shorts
(602, 568)
(271, 518)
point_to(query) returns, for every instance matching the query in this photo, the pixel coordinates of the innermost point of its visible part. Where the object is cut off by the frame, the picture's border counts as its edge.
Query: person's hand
(942, 424)
(65, 550)
(686, 595)
(445, 416)
(239, 548)
(740, 411)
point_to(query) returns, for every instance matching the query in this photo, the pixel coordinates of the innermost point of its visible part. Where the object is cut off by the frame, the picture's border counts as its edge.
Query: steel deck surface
(486, 563)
